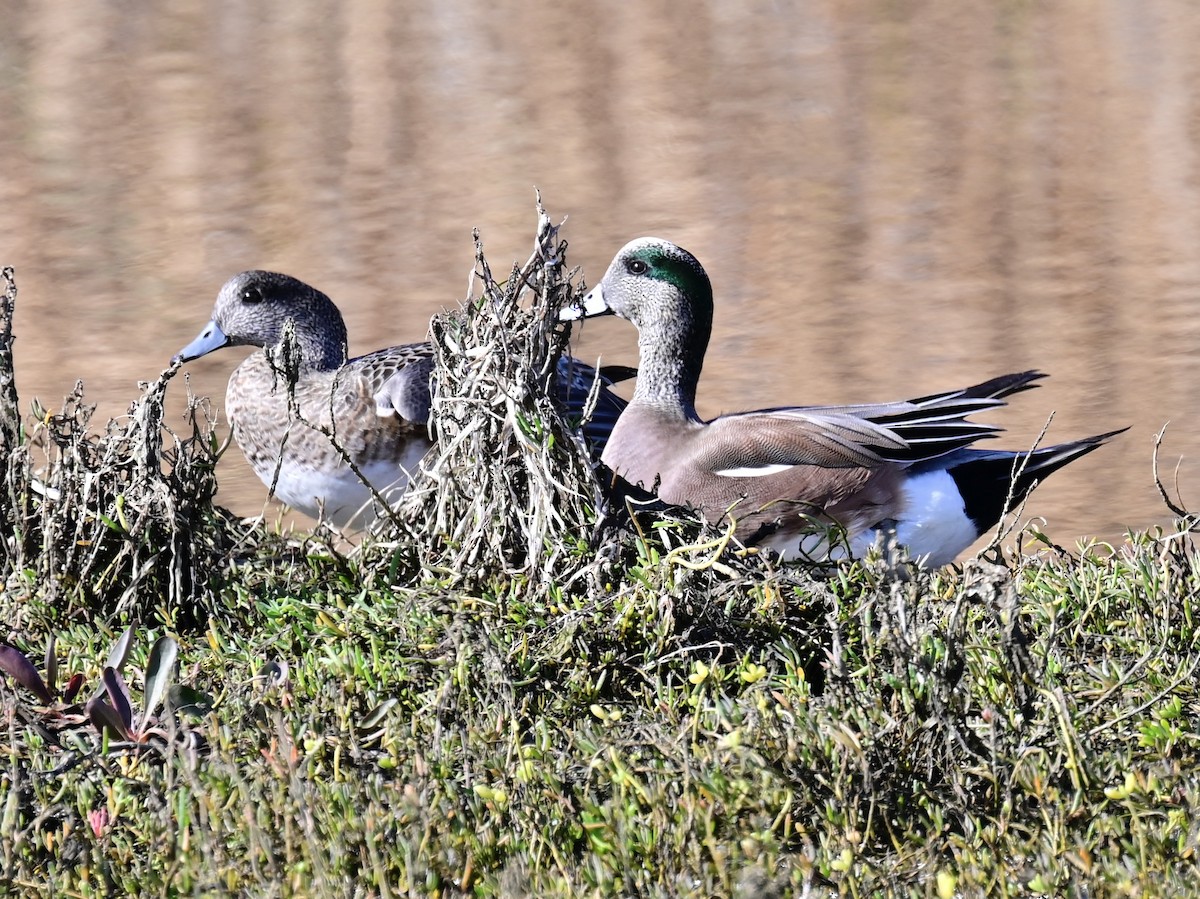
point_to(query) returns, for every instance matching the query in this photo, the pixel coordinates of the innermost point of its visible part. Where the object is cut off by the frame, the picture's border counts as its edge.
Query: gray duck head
(665, 292)
(253, 308)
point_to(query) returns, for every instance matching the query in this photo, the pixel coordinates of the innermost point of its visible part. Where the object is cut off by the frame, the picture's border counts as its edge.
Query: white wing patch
(758, 471)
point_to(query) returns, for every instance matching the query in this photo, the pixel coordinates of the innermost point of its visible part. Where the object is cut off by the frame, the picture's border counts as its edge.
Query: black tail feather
(994, 388)
(985, 477)
(935, 425)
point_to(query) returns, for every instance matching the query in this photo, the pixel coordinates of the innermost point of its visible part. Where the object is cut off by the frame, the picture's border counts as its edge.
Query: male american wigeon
(785, 475)
(376, 406)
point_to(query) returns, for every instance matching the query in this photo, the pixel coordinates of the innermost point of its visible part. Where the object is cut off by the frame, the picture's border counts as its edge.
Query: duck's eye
(252, 295)
(638, 267)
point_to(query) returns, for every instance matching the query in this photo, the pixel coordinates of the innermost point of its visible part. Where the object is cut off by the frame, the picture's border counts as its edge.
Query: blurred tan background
(891, 198)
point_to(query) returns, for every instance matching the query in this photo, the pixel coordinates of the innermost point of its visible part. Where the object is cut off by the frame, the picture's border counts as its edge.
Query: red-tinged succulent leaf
(104, 716)
(72, 688)
(118, 695)
(13, 661)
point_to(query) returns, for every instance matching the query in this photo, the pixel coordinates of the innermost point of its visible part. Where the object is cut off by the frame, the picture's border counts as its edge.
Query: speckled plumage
(376, 406)
(904, 467)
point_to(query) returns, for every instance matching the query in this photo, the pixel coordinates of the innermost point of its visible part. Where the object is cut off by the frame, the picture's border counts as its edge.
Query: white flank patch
(339, 495)
(759, 471)
(933, 526)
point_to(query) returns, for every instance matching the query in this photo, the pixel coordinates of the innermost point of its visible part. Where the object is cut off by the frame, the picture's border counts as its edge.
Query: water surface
(890, 198)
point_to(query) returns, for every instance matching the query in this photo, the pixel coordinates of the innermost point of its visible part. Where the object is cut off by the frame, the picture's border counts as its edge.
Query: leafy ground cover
(515, 688)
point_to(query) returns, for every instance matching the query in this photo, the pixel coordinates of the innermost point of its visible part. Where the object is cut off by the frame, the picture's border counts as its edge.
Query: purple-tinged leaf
(72, 688)
(118, 695)
(117, 655)
(105, 717)
(120, 650)
(14, 662)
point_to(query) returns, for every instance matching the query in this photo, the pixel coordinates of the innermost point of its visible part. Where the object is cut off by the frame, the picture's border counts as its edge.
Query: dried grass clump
(508, 490)
(111, 522)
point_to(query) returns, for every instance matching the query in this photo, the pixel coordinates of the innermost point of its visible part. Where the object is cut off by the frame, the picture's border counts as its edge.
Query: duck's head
(654, 284)
(665, 292)
(254, 308)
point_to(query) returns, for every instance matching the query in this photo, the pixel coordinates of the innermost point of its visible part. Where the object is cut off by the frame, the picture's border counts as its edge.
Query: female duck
(344, 429)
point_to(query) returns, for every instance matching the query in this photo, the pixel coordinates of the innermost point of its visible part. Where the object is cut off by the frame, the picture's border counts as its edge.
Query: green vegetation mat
(512, 689)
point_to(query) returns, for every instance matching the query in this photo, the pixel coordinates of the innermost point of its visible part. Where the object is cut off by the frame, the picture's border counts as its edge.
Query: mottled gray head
(654, 283)
(664, 291)
(253, 309)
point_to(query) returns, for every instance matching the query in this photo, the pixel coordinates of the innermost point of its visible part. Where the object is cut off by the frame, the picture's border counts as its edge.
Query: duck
(375, 406)
(806, 482)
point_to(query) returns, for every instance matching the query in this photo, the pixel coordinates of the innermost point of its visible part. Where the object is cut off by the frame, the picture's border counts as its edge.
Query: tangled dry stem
(508, 489)
(110, 521)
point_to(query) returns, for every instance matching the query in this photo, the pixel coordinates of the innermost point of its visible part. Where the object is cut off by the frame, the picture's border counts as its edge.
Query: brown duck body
(306, 439)
(793, 497)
